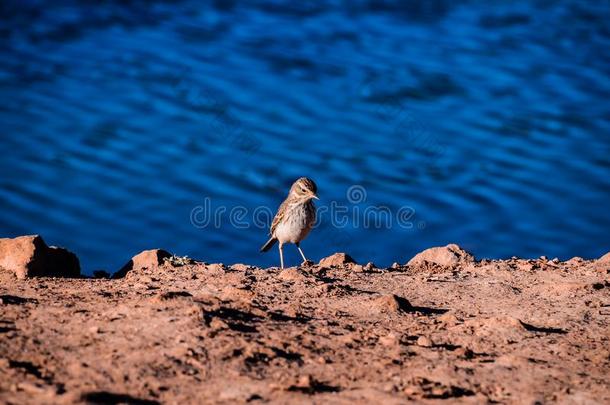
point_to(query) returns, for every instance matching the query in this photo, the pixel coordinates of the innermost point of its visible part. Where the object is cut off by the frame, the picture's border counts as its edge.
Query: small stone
(424, 341)
(369, 266)
(575, 261)
(358, 268)
(217, 324)
(390, 303)
(148, 259)
(338, 259)
(464, 352)
(448, 256)
(215, 268)
(305, 381)
(240, 267)
(448, 319)
(395, 265)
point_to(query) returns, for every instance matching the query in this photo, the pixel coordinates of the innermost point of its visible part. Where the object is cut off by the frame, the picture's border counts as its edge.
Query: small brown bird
(295, 217)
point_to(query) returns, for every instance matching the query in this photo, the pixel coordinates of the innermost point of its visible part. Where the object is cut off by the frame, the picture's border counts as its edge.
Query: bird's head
(304, 189)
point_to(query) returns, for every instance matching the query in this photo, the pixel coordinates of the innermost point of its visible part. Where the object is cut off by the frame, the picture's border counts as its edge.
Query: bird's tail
(269, 244)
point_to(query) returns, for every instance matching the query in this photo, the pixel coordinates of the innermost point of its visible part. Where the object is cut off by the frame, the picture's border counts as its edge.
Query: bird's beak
(315, 197)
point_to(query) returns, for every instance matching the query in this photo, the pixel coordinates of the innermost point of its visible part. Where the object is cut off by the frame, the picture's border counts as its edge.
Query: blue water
(488, 125)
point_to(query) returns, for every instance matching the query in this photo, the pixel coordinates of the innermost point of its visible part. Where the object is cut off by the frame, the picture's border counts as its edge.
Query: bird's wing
(281, 212)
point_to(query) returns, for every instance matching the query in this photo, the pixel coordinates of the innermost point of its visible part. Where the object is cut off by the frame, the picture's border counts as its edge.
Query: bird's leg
(301, 252)
(281, 247)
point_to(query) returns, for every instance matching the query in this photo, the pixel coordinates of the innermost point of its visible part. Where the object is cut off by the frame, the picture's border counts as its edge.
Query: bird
(295, 217)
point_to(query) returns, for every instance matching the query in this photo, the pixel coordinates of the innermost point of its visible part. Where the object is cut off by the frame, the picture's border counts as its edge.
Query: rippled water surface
(491, 124)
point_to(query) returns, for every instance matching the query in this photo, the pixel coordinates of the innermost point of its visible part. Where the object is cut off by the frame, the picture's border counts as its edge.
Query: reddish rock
(241, 267)
(424, 341)
(147, 259)
(338, 259)
(601, 265)
(575, 261)
(605, 259)
(448, 319)
(216, 268)
(29, 256)
(447, 256)
(390, 303)
(370, 266)
(358, 268)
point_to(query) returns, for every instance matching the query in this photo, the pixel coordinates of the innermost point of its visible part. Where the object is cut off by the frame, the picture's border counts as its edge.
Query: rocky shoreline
(168, 329)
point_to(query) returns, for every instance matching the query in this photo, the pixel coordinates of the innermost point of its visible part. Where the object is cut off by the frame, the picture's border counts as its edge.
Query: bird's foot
(307, 263)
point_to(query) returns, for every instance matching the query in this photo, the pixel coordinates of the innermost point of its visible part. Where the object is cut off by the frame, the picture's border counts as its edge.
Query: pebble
(369, 266)
(424, 341)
